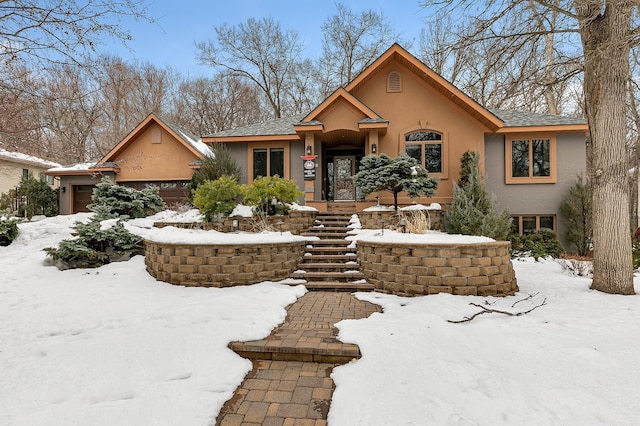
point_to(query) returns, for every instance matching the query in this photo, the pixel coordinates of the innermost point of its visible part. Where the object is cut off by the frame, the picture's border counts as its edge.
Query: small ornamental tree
(575, 209)
(270, 193)
(473, 211)
(111, 200)
(395, 175)
(218, 197)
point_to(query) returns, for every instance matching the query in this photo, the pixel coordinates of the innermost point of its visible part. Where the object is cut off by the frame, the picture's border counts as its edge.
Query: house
(398, 104)
(156, 153)
(15, 166)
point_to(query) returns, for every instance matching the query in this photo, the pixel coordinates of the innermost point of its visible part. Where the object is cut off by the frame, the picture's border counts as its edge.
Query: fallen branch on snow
(498, 311)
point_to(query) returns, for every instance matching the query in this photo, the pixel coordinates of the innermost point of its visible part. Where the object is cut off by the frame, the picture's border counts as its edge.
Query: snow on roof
(24, 158)
(72, 167)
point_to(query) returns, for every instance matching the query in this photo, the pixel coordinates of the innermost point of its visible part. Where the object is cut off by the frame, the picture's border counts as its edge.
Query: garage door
(171, 192)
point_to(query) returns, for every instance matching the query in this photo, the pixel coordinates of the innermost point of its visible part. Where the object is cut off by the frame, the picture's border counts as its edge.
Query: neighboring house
(14, 166)
(399, 104)
(156, 153)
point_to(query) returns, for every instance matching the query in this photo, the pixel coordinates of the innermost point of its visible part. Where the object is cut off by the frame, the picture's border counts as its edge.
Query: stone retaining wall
(296, 222)
(372, 219)
(482, 269)
(222, 265)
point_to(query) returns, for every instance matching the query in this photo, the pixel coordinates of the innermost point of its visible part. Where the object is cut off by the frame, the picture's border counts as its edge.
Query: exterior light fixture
(280, 224)
(236, 225)
(377, 200)
(382, 221)
(374, 148)
(403, 225)
(64, 189)
(308, 149)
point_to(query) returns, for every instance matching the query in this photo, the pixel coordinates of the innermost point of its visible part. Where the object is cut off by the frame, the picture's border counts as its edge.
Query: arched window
(394, 82)
(426, 146)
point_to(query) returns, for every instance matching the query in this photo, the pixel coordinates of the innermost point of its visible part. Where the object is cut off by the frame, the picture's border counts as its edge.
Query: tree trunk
(606, 38)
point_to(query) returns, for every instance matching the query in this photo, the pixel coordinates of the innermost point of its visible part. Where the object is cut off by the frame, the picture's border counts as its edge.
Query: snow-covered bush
(218, 197)
(96, 245)
(111, 200)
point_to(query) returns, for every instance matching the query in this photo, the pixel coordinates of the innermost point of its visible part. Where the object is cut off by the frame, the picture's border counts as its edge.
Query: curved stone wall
(478, 269)
(222, 265)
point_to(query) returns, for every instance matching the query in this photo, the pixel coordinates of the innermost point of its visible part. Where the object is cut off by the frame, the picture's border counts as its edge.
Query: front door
(343, 169)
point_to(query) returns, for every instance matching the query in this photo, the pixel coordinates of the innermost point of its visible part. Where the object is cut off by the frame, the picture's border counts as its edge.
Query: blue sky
(181, 23)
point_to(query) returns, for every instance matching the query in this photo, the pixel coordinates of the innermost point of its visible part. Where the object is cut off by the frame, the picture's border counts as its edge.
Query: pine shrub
(111, 200)
(218, 197)
(213, 167)
(474, 210)
(95, 246)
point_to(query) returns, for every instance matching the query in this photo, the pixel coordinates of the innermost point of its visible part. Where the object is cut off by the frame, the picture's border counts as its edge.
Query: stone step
(328, 228)
(328, 258)
(330, 350)
(337, 242)
(327, 267)
(346, 276)
(325, 235)
(338, 286)
(331, 250)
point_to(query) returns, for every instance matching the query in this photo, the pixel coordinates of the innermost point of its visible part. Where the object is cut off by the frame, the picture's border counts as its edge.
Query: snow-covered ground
(113, 346)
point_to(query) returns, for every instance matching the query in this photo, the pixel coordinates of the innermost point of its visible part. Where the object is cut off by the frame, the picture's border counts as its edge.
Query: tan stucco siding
(341, 116)
(419, 107)
(11, 174)
(143, 160)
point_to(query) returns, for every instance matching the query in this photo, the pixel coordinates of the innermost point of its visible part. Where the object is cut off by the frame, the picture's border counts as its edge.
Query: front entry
(344, 168)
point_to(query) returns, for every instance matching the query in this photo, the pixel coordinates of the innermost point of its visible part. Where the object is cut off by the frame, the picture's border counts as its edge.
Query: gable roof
(439, 83)
(192, 143)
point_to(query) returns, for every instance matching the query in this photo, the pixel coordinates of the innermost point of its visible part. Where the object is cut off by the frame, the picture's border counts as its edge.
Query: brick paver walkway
(290, 382)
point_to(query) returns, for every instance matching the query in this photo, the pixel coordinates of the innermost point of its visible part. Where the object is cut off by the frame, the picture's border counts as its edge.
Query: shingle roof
(524, 119)
(280, 126)
(189, 138)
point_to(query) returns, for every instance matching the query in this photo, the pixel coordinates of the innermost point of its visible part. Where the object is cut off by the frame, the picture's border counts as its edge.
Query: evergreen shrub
(95, 246)
(111, 200)
(474, 210)
(213, 167)
(218, 197)
(543, 244)
(8, 228)
(270, 194)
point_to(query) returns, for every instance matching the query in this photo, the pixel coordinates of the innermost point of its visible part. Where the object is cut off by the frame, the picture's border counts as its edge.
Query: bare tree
(20, 111)
(62, 31)
(259, 51)
(606, 31)
(351, 42)
(205, 106)
(498, 70)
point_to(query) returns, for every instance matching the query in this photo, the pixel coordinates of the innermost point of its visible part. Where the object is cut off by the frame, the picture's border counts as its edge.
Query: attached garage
(81, 197)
